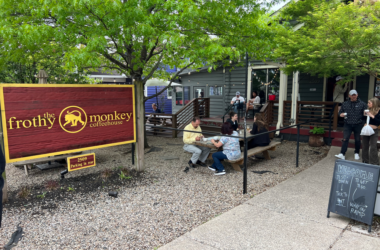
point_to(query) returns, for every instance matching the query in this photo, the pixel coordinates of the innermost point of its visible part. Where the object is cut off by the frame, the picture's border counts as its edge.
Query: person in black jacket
(353, 113)
(259, 126)
(233, 121)
(369, 152)
(2, 169)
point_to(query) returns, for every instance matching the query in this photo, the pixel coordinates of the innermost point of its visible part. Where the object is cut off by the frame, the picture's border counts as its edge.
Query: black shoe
(201, 164)
(223, 172)
(191, 165)
(212, 168)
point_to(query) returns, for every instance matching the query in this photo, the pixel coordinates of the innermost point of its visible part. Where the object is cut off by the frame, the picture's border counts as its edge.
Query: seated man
(199, 153)
(155, 110)
(238, 102)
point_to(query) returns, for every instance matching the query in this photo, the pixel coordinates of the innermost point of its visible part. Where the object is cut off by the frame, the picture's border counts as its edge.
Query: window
(186, 91)
(178, 96)
(216, 91)
(169, 93)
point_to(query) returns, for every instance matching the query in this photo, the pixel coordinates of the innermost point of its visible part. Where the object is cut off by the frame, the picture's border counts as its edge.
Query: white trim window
(169, 93)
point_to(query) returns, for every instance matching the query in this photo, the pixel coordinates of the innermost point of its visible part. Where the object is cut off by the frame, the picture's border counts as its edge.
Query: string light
(114, 80)
(270, 82)
(189, 73)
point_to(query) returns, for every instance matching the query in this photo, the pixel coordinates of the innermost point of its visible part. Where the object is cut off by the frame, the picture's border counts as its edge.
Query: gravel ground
(147, 215)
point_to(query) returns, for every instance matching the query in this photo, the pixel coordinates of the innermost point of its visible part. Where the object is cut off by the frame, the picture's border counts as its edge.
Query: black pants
(347, 131)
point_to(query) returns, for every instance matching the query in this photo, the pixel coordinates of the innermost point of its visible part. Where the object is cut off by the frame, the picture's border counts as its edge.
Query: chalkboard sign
(353, 190)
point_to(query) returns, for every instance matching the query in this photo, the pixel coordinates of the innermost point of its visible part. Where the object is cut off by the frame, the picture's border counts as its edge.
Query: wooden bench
(29, 163)
(272, 146)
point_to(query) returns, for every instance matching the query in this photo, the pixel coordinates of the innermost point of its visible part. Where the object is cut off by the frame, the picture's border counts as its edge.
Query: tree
(136, 37)
(335, 39)
(26, 72)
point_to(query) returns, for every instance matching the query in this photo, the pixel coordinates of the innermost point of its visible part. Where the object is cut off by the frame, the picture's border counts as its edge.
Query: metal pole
(245, 129)
(298, 143)
(133, 154)
(245, 159)
(330, 131)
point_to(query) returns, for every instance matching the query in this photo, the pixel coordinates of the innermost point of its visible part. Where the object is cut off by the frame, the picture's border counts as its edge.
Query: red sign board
(42, 120)
(80, 162)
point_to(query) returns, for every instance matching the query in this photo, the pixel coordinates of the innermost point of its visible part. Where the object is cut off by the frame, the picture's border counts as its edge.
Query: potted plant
(316, 137)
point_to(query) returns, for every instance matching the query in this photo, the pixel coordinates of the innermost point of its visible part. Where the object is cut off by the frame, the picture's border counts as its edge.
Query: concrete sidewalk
(291, 215)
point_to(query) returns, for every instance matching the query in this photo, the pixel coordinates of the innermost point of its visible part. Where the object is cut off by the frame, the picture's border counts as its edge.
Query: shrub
(51, 185)
(24, 192)
(105, 174)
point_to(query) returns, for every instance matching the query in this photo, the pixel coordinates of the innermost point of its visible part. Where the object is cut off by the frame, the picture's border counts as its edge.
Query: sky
(279, 5)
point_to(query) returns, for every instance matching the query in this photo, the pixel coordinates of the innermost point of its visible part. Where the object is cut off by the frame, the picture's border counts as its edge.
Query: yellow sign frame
(77, 156)
(5, 132)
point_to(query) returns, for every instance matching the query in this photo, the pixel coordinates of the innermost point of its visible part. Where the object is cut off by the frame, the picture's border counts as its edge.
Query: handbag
(367, 130)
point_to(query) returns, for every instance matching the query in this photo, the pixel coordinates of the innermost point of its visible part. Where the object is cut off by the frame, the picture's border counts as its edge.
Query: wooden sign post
(353, 191)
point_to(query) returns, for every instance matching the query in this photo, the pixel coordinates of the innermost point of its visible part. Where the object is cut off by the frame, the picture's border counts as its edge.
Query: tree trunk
(146, 145)
(140, 126)
(5, 189)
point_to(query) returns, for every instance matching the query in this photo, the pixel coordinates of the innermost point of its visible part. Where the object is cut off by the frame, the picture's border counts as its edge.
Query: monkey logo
(74, 119)
(73, 116)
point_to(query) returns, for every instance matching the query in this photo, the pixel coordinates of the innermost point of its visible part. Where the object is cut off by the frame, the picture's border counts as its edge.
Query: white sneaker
(357, 157)
(341, 156)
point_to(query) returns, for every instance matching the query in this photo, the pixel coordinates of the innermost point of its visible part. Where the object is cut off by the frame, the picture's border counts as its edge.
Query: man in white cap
(237, 101)
(353, 113)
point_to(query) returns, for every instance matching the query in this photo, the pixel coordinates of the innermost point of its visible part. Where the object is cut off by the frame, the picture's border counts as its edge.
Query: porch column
(295, 90)
(281, 99)
(249, 87)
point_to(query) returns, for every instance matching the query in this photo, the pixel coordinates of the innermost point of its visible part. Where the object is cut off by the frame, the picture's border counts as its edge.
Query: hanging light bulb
(230, 62)
(189, 73)
(75, 79)
(55, 78)
(114, 80)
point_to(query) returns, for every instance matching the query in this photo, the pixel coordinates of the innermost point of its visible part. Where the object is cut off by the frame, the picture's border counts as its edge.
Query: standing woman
(259, 126)
(233, 121)
(369, 152)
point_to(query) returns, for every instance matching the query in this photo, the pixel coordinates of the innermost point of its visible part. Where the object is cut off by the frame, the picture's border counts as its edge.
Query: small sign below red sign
(81, 161)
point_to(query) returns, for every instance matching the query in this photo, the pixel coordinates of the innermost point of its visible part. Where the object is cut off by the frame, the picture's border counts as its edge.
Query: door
(199, 92)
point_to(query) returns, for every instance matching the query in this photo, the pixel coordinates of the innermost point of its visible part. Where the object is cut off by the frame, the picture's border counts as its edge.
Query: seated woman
(231, 149)
(254, 102)
(259, 126)
(233, 121)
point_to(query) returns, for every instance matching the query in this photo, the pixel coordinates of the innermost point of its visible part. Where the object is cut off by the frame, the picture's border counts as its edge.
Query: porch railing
(196, 107)
(324, 112)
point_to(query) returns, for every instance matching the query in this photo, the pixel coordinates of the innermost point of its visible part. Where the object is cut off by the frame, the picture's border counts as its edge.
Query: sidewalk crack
(337, 238)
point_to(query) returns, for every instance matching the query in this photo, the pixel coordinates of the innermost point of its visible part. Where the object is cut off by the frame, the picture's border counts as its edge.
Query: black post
(133, 154)
(245, 163)
(245, 127)
(298, 143)
(330, 132)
